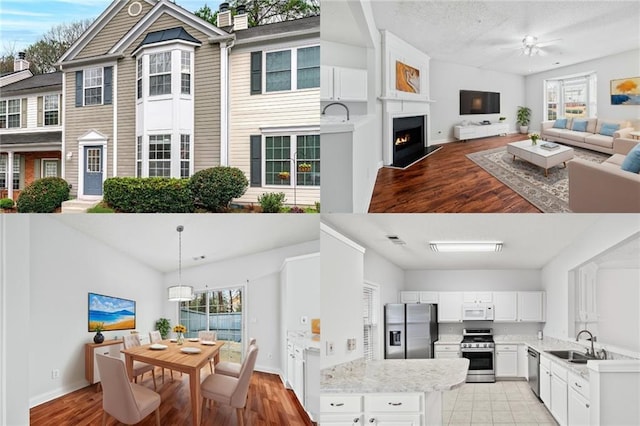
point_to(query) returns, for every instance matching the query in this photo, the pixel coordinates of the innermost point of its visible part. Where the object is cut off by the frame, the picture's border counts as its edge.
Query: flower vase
(98, 338)
(534, 141)
(180, 339)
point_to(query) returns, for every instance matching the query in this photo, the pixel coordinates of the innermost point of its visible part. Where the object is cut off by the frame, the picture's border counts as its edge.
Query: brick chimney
(20, 63)
(241, 20)
(224, 15)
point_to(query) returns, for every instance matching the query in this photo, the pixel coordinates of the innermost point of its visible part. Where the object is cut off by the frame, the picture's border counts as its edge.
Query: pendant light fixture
(180, 293)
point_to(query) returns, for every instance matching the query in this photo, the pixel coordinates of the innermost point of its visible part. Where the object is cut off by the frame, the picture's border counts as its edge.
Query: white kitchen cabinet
(545, 382)
(523, 361)
(343, 84)
(506, 360)
(399, 409)
(578, 400)
(291, 365)
(418, 297)
(450, 306)
(299, 373)
(559, 393)
(477, 297)
(505, 306)
(312, 383)
(446, 350)
(531, 306)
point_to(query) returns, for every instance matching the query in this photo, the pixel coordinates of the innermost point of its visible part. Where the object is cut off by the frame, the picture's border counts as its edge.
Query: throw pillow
(560, 123)
(579, 125)
(631, 162)
(608, 129)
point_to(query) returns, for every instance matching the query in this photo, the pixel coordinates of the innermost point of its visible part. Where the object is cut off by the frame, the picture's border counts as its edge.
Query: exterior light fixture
(465, 246)
(180, 293)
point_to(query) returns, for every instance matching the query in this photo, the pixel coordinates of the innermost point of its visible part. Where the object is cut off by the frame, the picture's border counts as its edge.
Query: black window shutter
(256, 160)
(256, 73)
(79, 101)
(108, 85)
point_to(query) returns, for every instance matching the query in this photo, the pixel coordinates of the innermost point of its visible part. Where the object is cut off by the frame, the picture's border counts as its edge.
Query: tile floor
(500, 403)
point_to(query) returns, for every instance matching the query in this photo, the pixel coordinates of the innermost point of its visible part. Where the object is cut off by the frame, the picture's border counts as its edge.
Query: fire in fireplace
(409, 140)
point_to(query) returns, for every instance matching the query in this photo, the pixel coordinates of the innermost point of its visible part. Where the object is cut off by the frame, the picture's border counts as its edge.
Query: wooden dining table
(175, 359)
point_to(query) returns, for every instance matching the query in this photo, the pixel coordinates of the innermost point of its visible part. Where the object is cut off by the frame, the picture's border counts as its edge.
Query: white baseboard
(56, 393)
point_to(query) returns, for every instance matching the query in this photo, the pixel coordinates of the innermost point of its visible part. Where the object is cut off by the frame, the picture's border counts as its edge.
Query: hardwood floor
(448, 182)
(269, 403)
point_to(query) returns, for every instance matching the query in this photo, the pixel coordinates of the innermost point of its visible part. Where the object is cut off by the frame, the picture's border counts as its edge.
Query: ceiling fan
(532, 47)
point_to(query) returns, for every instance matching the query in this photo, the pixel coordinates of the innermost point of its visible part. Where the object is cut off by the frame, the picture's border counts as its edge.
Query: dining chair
(211, 337)
(155, 337)
(232, 368)
(229, 390)
(139, 368)
(127, 402)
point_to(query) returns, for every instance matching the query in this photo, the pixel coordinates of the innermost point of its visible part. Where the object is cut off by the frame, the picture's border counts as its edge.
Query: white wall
(260, 272)
(15, 333)
(341, 279)
(618, 298)
(608, 68)
(605, 233)
(473, 280)
(447, 79)
(64, 266)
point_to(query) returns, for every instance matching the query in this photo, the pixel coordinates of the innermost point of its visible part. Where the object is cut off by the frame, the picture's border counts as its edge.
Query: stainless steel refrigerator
(410, 330)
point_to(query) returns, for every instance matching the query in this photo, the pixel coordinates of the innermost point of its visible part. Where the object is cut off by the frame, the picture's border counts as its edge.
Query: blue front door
(93, 170)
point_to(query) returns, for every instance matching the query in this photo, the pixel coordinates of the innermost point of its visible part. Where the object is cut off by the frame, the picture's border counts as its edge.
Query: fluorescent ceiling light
(465, 246)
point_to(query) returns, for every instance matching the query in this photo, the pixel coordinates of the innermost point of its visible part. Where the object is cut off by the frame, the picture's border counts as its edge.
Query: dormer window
(160, 73)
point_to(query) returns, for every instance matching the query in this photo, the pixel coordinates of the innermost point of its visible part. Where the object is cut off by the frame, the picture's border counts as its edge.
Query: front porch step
(78, 206)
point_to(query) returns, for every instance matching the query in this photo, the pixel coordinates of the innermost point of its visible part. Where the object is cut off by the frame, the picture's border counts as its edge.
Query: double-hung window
(139, 156)
(278, 160)
(278, 71)
(308, 67)
(308, 160)
(370, 320)
(572, 96)
(4, 171)
(93, 86)
(185, 73)
(292, 69)
(139, 81)
(51, 110)
(160, 156)
(10, 113)
(160, 73)
(185, 156)
(291, 159)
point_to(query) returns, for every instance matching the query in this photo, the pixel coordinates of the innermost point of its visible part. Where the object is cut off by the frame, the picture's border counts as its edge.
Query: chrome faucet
(593, 353)
(336, 103)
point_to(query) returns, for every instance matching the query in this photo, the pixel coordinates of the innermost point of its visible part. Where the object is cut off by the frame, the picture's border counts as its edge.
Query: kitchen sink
(572, 356)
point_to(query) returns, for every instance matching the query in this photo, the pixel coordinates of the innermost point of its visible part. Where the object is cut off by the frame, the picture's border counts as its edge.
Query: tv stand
(475, 131)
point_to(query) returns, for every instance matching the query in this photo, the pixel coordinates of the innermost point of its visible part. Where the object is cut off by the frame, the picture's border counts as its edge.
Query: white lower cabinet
(559, 393)
(545, 381)
(578, 400)
(446, 351)
(506, 360)
(405, 409)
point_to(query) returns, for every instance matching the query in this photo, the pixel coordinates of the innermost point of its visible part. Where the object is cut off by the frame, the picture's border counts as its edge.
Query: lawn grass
(101, 208)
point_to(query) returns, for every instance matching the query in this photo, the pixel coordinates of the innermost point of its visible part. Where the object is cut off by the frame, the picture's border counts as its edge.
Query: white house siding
(248, 113)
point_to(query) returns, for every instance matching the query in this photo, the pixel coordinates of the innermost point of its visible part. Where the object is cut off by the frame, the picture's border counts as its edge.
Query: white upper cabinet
(477, 297)
(418, 297)
(531, 306)
(343, 84)
(505, 306)
(450, 306)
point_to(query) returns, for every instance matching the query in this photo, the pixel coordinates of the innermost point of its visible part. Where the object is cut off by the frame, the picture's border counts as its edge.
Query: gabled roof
(37, 83)
(177, 33)
(298, 27)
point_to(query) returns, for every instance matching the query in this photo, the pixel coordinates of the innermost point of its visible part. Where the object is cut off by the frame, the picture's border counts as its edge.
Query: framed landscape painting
(625, 91)
(114, 313)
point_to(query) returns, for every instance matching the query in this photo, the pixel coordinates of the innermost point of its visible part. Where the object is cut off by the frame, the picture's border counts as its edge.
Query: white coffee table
(539, 156)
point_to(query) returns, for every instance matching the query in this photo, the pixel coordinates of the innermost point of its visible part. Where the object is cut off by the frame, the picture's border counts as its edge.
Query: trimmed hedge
(271, 202)
(6, 203)
(148, 195)
(43, 195)
(214, 188)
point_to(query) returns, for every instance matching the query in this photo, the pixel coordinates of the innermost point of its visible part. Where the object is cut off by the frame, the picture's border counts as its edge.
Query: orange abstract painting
(407, 78)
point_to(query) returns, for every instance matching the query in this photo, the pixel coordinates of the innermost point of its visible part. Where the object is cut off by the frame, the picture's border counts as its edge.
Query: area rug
(549, 194)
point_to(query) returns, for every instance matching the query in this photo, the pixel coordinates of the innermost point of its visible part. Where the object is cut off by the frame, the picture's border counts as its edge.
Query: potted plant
(283, 175)
(163, 326)
(304, 167)
(523, 118)
(7, 205)
(98, 328)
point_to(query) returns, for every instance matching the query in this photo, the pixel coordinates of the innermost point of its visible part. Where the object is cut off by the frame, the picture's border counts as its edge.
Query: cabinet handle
(578, 385)
(337, 404)
(395, 404)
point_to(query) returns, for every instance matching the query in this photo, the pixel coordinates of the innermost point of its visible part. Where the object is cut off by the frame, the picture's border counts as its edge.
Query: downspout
(225, 49)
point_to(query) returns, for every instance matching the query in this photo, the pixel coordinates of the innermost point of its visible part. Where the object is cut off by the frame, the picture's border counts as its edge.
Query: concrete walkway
(78, 206)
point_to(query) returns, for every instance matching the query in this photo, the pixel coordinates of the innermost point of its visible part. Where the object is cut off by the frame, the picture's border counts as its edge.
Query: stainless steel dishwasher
(534, 371)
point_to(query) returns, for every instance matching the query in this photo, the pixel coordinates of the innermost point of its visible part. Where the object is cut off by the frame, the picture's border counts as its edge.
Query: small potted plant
(523, 118)
(180, 330)
(534, 138)
(163, 326)
(502, 119)
(98, 328)
(304, 167)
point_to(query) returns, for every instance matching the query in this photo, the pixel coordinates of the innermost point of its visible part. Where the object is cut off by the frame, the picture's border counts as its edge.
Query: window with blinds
(370, 316)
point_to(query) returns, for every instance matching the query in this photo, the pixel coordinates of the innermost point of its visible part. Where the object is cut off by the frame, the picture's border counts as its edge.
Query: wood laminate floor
(269, 403)
(448, 182)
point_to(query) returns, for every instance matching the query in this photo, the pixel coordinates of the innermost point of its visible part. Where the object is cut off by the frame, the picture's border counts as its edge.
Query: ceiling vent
(396, 240)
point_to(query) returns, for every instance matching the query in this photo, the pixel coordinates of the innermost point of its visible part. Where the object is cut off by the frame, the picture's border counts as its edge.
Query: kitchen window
(4, 172)
(185, 75)
(93, 86)
(51, 110)
(10, 113)
(370, 306)
(160, 73)
(160, 156)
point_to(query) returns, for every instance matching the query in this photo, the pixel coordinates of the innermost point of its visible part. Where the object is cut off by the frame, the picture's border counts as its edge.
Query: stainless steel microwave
(477, 312)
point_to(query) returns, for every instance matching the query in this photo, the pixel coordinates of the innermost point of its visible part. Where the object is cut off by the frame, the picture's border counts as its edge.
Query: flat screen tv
(113, 312)
(476, 102)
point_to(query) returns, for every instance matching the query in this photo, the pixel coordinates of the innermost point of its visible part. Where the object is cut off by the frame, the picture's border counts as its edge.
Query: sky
(22, 22)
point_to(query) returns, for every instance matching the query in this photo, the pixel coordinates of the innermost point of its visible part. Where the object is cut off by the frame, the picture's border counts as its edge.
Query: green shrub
(6, 203)
(43, 195)
(214, 188)
(148, 195)
(271, 202)
(317, 203)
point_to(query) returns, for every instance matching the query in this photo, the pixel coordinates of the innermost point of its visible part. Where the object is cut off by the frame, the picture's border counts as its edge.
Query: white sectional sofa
(591, 138)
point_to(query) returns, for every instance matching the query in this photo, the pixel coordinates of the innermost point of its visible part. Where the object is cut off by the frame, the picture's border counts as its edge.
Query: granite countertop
(395, 375)
(339, 123)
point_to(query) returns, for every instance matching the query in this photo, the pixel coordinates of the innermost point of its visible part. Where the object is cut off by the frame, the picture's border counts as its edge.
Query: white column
(10, 174)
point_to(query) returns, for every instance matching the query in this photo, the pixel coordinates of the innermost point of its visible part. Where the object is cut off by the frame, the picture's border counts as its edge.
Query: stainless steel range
(478, 347)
